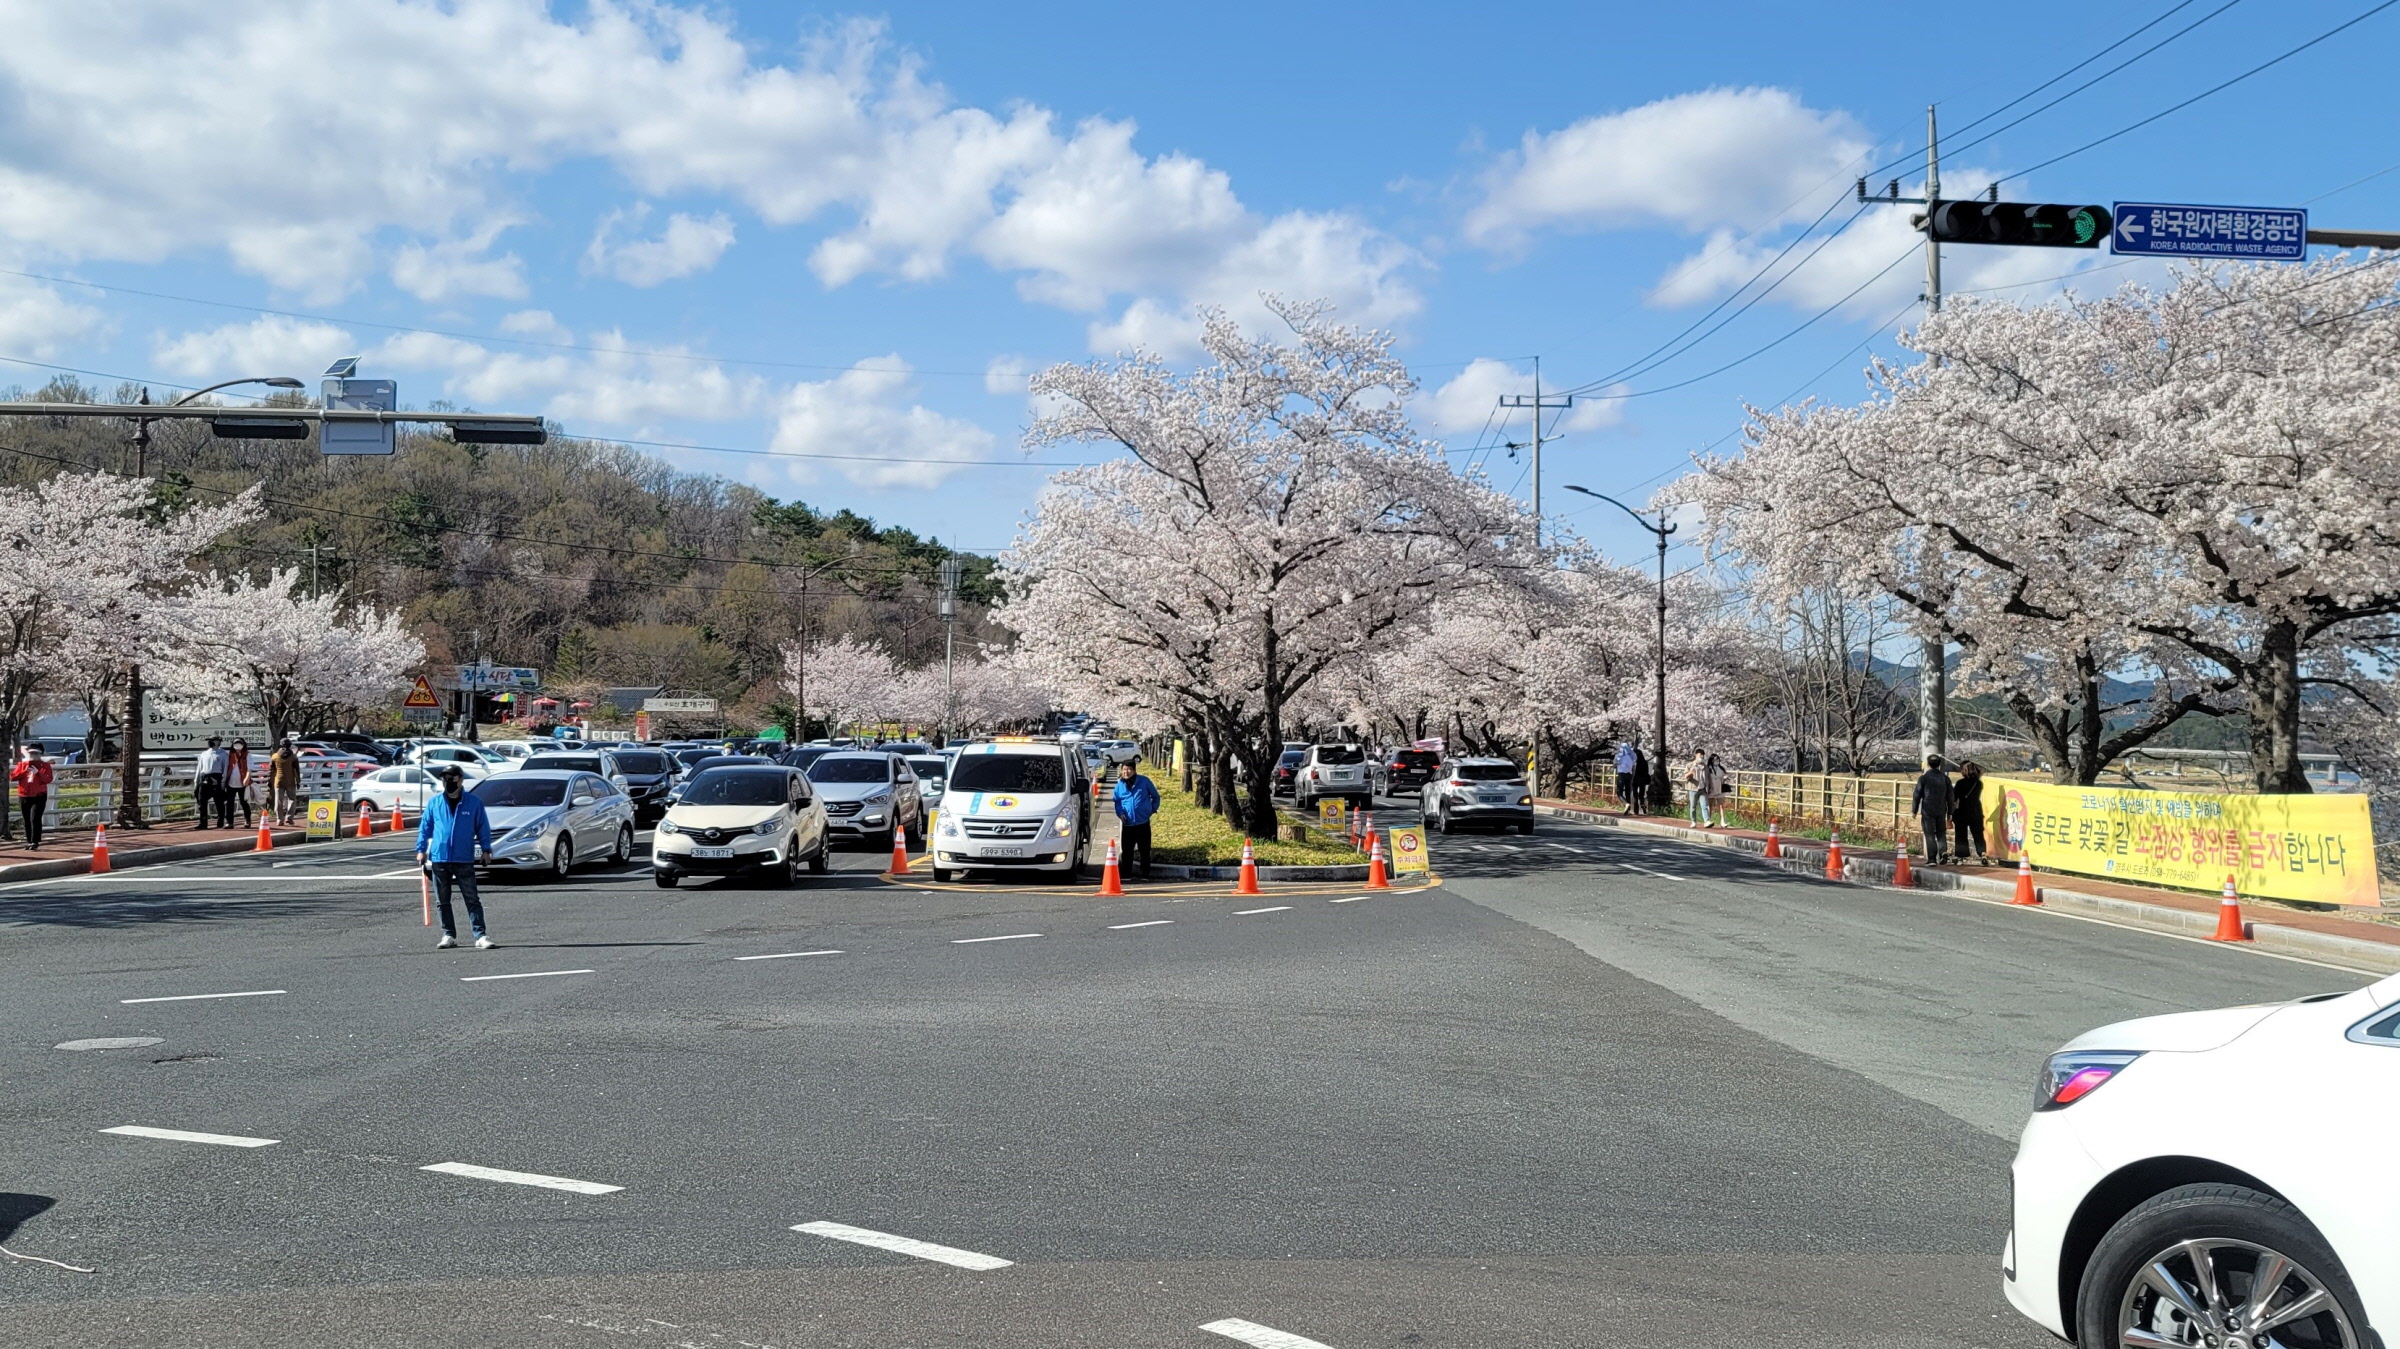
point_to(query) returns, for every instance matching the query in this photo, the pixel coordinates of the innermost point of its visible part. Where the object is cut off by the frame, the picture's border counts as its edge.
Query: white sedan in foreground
(2221, 1180)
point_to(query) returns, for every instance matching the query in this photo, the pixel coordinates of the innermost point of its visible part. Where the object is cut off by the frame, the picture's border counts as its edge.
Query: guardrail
(82, 795)
(1834, 798)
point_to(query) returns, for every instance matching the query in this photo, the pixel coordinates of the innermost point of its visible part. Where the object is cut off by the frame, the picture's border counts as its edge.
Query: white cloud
(685, 246)
(1005, 377)
(1714, 157)
(36, 321)
(538, 324)
(1299, 256)
(1461, 409)
(269, 345)
(864, 411)
(450, 269)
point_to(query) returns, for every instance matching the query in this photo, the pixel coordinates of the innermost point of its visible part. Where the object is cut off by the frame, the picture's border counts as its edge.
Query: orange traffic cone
(1111, 883)
(1833, 859)
(366, 822)
(1248, 884)
(2025, 894)
(1774, 839)
(899, 854)
(1376, 880)
(99, 849)
(266, 838)
(1902, 875)
(2229, 916)
(398, 821)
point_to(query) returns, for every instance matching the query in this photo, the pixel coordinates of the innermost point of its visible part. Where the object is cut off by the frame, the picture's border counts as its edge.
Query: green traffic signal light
(2017, 224)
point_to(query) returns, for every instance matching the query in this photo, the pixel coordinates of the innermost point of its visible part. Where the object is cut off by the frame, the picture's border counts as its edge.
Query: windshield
(1486, 772)
(1008, 773)
(509, 789)
(735, 787)
(802, 758)
(928, 766)
(1340, 754)
(850, 768)
(688, 757)
(564, 763)
(643, 761)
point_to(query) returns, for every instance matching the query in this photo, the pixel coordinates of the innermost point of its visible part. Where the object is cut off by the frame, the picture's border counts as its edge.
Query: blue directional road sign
(2256, 233)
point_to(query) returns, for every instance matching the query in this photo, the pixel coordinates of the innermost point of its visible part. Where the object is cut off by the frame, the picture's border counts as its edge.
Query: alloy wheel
(2218, 1293)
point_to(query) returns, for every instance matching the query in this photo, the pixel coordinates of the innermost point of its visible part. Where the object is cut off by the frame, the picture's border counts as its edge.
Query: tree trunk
(2272, 683)
(129, 763)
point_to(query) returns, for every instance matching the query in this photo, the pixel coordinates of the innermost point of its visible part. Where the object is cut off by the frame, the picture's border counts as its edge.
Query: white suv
(1020, 803)
(1332, 770)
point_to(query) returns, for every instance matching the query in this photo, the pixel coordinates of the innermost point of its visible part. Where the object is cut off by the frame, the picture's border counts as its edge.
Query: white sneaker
(483, 943)
(446, 941)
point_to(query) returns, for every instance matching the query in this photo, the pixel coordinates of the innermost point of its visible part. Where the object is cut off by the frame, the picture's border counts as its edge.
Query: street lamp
(1658, 730)
(141, 425)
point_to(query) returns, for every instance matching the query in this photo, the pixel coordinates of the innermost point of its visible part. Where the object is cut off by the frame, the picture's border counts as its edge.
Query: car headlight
(669, 827)
(2070, 1075)
(880, 799)
(949, 826)
(1063, 825)
(773, 824)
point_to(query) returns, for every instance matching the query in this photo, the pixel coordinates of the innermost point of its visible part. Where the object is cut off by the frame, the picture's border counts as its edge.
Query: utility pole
(314, 550)
(1536, 403)
(1933, 656)
(952, 568)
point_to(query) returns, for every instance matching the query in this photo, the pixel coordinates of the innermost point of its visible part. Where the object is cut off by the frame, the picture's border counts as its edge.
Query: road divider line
(1351, 900)
(204, 997)
(1264, 1337)
(1630, 866)
(534, 974)
(1155, 922)
(474, 1172)
(1013, 936)
(885, 1241)
(787, 955)
(1279, 908)
(187, 1136)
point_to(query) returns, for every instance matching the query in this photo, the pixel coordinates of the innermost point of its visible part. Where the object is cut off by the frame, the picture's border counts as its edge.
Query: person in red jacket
(32, 775)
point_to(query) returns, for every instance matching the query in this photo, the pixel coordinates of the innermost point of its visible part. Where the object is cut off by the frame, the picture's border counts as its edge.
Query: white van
(1017, 803)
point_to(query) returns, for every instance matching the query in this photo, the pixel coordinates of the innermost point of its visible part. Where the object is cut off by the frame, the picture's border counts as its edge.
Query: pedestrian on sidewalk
(1629, 762)
(1966, 814)
(32, 774)
(1136, 799)
(1719, 784)
(453, 834)
(283, 780)
(1638, 803)
(1931, 803)
(208, 783)
(237, 781)
(1695, 787)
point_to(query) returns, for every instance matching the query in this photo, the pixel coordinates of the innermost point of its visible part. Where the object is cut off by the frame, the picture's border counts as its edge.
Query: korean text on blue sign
(2255, 232)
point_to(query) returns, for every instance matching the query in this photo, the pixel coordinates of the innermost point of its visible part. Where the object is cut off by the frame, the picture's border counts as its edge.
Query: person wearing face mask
(454, 833)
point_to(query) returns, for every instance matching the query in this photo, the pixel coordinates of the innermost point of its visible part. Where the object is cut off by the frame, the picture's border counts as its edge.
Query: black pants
(1937, 837)
(1134, 836)
(462, 875)
(1625, 790)
(1968, 827)
(209, 795)
(237, 796)
(31, 808)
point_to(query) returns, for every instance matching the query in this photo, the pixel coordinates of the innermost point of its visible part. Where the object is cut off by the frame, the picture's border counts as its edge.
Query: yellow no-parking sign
(324, 819)
(1409, 853)
(1329, 812)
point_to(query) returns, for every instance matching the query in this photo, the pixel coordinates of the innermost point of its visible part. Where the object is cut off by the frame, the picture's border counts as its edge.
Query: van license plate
(1004, 852)
(713, 854)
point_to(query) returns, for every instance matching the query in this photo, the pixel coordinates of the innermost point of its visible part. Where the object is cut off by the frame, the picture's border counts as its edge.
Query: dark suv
(1404, 770)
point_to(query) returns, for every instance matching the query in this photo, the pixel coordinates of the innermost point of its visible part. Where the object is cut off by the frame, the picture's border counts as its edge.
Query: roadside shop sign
(2316, 847)
(324, 819)
(1408, 852)
(1329, 812)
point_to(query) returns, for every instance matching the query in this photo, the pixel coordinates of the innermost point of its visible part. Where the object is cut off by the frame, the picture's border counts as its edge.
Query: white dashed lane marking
(788, 955)
(1155, 922)
(533, 974)
(885, 1241)
(474, 1172)
(1279, 908)
(1013, 936)
(187, 1136)
(1264, 1337)
(203, 997)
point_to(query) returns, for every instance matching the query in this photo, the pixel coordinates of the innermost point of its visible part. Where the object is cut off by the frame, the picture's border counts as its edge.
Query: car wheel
(666, 879)
(624, 852)
(942, 875)
(819, 862)
(2216, 1264)
(916, 834)
(1525, 828)
(563, 860)
(882, 842)
(1444, 824)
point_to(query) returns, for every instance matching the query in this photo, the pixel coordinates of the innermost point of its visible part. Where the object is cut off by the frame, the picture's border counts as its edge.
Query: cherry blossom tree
(1278, 514)
(844, 682)
(2193, 487)
(263, 650)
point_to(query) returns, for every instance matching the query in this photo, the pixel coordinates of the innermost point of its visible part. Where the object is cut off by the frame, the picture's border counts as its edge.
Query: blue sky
(850, 232)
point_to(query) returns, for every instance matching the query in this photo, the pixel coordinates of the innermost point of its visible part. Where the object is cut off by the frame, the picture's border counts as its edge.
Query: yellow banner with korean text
(2317, 848)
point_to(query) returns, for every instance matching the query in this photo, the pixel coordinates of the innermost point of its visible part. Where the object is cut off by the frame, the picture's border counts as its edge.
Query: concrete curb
(1807, 857)
(143, 857)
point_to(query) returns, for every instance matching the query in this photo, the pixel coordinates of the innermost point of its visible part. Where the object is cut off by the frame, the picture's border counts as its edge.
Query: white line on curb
(923, 1250)
(203, 997)
(1279, 908)
(1264, 1337)
(186, 1136)
(535, 974)
(1013, 936)
(520, 1178)
(1155, 922)
(787, 955)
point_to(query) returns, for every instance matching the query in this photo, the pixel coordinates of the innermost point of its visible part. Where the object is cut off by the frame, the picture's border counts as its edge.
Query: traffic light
(2023, 224)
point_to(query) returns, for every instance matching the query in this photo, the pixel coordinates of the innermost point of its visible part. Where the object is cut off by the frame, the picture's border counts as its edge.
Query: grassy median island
(1186, 835)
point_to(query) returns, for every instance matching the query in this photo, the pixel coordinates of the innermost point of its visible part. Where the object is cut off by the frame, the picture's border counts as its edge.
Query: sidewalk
(69, 852)
(2335, 938)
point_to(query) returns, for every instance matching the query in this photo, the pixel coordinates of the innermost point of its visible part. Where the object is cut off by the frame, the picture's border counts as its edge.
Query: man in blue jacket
(1136, 801)
(453, 833)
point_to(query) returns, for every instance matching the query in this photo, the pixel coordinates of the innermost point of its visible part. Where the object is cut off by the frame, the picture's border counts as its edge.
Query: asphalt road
(1593, 1090)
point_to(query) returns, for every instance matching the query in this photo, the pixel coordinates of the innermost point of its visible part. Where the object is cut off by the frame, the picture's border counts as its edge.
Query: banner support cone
(2229, 916)
(2025, 892)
